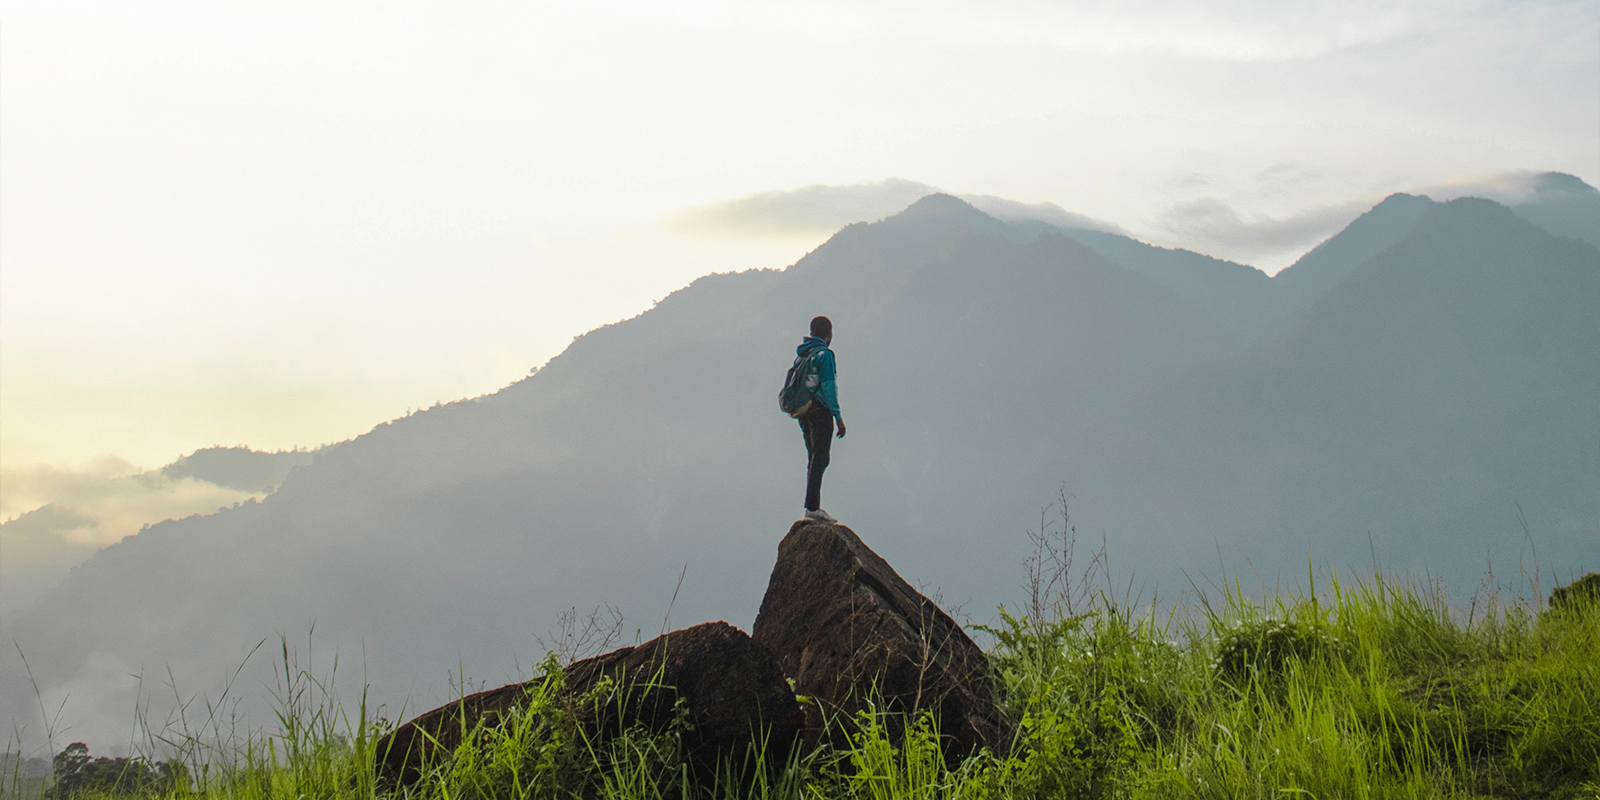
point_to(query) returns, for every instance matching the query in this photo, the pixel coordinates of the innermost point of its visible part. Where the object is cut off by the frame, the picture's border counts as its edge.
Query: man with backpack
(811, 395)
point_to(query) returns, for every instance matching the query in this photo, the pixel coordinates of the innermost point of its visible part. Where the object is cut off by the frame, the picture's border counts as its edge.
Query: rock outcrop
(850, 631)
(836, 619)
(734, 691)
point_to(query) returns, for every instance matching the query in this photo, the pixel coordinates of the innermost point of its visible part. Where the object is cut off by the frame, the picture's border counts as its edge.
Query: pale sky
(278, 224)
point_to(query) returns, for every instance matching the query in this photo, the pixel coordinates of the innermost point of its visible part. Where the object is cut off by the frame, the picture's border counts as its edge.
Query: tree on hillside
(76, 771)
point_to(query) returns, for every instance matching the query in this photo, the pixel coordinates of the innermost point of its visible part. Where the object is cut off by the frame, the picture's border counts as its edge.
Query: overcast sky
(277, 224)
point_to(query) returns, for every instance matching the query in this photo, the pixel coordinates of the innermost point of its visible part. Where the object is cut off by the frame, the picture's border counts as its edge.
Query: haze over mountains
(1416, 389)
(85, 512)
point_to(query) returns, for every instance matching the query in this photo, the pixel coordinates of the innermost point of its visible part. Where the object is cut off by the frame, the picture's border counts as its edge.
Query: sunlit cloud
(90, 508)
(56, 518)
(109, 498)
(32, 487)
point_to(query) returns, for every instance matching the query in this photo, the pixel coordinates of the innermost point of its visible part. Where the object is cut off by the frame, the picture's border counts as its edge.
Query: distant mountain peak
(1465, 218)
(1380, 228)
(1562, 183)
(942, 205)
(1564, 205)
(1478, 205)
(1401, 199)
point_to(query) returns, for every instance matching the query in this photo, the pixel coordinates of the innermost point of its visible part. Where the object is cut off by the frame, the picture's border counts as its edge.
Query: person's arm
(828, 390)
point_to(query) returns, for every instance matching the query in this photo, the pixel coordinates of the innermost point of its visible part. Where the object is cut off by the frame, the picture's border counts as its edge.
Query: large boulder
(852, 633)
(733, 689)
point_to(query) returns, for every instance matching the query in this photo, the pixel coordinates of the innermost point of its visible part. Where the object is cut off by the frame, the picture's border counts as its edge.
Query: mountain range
(1421, 391)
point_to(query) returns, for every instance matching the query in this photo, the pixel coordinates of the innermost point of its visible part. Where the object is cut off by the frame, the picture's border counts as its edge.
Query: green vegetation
(1371, 691)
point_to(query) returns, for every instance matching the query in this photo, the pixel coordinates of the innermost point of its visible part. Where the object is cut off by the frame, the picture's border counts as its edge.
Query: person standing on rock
(818, 420)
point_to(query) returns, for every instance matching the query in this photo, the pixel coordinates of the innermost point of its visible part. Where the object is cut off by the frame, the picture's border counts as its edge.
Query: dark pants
(818, 429)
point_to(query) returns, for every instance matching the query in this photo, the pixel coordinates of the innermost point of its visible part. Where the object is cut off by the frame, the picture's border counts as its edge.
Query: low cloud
(57, 518)
(1207, 224)
(1562, 204)
(107, 499)
(40, 547)
(1513, 188)
(1010, 210)
(29, 488)
(1215, 226)
(808, 210)
(1211, 226)
(822, 208)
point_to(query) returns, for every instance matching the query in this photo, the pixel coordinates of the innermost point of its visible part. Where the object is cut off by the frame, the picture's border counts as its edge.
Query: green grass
(1373, 690)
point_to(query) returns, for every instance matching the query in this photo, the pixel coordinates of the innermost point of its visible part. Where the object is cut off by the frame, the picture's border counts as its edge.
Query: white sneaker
(819, 515)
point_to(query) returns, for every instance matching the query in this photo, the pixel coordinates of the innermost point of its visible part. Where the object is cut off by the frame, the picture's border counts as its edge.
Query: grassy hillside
(1369, 690)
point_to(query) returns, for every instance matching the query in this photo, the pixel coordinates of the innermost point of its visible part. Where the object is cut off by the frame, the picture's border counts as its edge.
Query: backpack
(798, 394)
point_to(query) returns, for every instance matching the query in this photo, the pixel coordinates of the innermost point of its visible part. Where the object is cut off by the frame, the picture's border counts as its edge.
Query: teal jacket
(827, 388)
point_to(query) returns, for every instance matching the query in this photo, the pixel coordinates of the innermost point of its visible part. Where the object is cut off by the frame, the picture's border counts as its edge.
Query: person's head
(822, 328)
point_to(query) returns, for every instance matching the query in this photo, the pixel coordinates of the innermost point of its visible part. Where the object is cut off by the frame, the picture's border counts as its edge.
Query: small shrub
(1258, 650)
(1582, 592)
